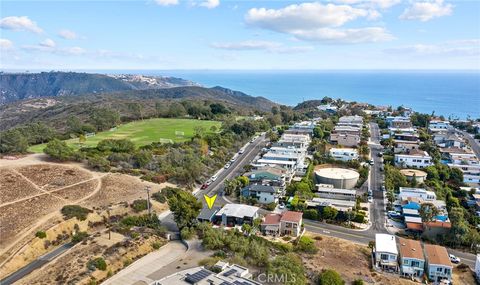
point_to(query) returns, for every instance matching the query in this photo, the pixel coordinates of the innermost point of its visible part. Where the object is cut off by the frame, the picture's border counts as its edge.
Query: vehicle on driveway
(454, 259)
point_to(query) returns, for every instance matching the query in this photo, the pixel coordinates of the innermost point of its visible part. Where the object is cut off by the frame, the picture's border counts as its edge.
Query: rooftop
(412, 172)
(437, 255)
(272, 219)
(238, 210)
(261, 188)
(337, 173)
(291, 216)
(410, 248)
(385, 243)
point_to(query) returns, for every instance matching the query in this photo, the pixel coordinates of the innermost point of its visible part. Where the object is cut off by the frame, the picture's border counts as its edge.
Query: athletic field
(145, 132)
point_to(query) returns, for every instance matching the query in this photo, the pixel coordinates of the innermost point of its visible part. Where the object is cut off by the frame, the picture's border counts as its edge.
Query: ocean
(453, 94)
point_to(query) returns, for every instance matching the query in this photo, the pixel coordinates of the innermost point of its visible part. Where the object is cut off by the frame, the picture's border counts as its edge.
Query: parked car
(370, 199)
(281, 206)
(454, 259)
(214, 177)
(371, 162)
(381, 168)
(227, 166)
(204, 186)
(380, 154)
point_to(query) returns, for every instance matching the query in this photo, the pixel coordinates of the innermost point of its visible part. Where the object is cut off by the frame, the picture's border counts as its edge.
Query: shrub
(70, 211)
(330, 277)
(139, 205)
(156, 245)
(306, 244)
(97, 263)
(357, 282)
(78, 237)
(187, 233)
(271, 206)
(41, 234)
(311, 214)
(359, 218)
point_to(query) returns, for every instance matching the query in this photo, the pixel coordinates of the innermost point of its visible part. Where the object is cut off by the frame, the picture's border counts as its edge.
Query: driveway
(138, 272)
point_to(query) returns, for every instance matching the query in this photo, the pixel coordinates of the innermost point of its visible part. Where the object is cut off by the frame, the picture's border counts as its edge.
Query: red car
(204, 186)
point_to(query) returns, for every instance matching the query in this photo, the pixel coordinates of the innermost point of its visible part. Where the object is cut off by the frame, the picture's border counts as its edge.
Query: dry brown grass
(77, 192)
(14, 187)
(351, 260)
(50, 176)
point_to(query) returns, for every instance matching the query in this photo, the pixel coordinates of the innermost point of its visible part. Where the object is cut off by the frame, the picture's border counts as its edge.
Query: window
(384, 256)
(439, 269)
(415, 263)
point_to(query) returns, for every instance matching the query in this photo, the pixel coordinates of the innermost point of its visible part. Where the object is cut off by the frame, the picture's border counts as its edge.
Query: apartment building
(439, 126)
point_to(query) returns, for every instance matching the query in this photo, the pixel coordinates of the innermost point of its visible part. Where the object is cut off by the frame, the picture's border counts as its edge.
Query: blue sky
(220, 34)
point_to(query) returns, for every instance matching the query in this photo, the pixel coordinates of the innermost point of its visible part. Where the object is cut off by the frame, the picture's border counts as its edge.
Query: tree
(59, 150)
(318, 132)
(428, 212)
(330, 277)
(306, 244)
(104, 118)
(13, 141)
(176, 110)
(136, 110)
(82, 139)
(290, 267)
(329, 213)
(185, 208)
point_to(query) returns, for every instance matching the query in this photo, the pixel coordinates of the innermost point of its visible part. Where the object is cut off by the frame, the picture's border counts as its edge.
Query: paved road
(473, 143)
(39, 262)
(235, 169)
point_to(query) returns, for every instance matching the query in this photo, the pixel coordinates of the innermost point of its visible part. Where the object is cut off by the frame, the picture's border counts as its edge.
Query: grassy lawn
(144, 132)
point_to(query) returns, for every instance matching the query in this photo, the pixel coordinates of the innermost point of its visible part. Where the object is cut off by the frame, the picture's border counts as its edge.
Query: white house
(386, 252)
(264, 194)
(416, 158)
(344, 154)
(237, 214)
(439, 266)
(439, 126)
(405, 193)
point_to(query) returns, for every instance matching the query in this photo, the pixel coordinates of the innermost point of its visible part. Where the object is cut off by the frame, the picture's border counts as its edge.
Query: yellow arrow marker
(210, 200)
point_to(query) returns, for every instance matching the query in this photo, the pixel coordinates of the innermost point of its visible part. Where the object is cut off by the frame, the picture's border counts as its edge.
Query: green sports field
(144, 132)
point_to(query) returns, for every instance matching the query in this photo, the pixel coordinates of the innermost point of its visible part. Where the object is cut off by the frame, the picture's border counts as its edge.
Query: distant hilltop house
(328, 108)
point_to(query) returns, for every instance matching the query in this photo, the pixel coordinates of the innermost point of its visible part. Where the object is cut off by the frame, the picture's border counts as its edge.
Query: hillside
(21, 86)
(55, 110)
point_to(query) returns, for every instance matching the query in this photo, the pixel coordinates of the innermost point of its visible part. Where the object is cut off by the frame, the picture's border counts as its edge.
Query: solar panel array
(197, 276)
(229, 272)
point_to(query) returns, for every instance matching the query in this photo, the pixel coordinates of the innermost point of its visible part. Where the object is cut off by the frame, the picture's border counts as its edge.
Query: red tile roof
(414, 226)
(439, 224)
(272, 219)
(291, 216)
(437, 255)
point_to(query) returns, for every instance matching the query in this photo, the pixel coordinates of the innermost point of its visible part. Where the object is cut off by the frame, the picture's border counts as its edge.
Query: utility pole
(147, 188)
(109, 226)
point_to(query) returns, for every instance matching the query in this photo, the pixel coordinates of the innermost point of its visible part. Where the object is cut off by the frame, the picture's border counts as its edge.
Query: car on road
(281, 206)
(204, 186)
(454, 259)
(381, 168)
(371, 162)
(370, 199)
(394, 215)
(227, 166)
(233, 159)
(380, 154)
(213, 178)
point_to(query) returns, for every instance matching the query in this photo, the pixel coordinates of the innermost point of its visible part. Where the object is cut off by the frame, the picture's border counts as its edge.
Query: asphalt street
(39, 262)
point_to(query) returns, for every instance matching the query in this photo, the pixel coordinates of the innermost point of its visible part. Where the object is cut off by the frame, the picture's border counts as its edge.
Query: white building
(477, 267)
(344, 154)
(386, 252)
(340, 205)
(335, 193)
(416, 158)
(419, 193)
(439, 126)
(350, 121)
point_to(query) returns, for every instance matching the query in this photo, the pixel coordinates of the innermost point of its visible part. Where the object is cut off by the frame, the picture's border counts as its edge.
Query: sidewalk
(152, 262)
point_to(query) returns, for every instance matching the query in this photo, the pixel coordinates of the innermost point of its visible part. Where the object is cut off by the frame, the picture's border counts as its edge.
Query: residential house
(344, 154)
(207, 214)
(386, 252)
(288, 223)
(264, 194)
(439, 126)
(412, 261)
(439, 266)
(274, 176)
(340, 205)
(421, 193)
(415, 158)
(237, 214)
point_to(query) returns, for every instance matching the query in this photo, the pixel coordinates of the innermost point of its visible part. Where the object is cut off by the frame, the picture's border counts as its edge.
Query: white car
(227, 166)
(281, 206)
(454, 259)
(370, 199)
(213, 178)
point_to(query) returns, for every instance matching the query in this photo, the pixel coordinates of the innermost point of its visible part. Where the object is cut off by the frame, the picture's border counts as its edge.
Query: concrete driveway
(138, 272)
